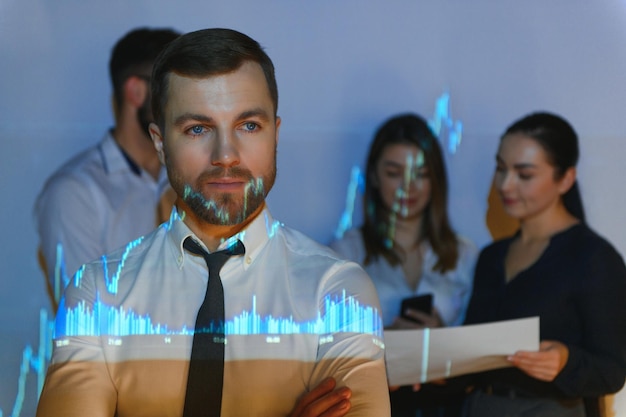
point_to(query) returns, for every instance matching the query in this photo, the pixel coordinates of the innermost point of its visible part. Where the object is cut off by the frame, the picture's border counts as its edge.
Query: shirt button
(248, 260)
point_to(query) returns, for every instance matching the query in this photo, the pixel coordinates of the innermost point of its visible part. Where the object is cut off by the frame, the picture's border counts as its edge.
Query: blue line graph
(34, 361)
(111, 282)
(356, 186)
(341, 314)
(442, 123)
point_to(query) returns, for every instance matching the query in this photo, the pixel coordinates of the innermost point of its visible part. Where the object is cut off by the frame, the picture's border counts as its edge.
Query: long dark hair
(409, 129)
(560, 143)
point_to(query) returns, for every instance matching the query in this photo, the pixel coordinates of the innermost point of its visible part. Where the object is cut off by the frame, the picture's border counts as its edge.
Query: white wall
(342, 68)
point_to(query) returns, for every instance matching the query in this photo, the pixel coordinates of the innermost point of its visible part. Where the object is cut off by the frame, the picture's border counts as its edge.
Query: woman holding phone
(554, 267)
(408, 247)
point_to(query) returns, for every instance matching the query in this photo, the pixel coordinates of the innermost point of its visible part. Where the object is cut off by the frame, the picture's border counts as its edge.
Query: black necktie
(206, 366)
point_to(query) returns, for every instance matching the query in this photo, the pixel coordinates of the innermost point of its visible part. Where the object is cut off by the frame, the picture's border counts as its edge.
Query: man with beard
(299, 332)
(109, 194)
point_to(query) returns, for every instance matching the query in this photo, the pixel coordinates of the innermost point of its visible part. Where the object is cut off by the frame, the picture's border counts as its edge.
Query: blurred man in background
(113, 192)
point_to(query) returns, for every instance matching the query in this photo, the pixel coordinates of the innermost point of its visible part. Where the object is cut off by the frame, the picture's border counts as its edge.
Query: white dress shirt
(95, 203)
(451, 290)
(295, 314)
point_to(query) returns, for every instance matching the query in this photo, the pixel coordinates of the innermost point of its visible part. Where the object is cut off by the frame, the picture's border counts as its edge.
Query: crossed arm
(324, 401)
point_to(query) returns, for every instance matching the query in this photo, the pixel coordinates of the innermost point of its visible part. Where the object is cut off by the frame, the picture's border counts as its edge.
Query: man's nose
(224, 150)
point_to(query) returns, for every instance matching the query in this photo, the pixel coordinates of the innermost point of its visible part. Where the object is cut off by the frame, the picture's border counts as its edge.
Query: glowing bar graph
(342, 313)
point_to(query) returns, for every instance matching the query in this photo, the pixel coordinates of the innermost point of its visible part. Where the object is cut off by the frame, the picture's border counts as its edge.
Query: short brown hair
(204, 53)
(134, 54)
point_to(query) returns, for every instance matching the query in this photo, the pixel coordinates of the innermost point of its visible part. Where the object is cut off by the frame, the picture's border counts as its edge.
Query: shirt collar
(131, 164)
(254, 236)
(115, 159)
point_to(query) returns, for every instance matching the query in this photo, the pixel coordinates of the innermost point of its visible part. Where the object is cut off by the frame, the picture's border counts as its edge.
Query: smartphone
(423, 302)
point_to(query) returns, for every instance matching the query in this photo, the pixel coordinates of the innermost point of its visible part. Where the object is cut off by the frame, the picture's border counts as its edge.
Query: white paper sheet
(417, 356)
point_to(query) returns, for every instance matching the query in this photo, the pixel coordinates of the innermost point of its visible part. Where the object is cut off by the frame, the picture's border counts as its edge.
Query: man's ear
(567, 181)
(157, 139)
(135, 91)
(278, 120)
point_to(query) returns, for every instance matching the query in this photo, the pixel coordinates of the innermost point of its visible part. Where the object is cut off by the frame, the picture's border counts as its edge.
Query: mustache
(221, 172)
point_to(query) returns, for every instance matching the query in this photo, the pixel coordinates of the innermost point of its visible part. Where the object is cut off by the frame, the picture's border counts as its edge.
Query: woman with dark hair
(554, 267)
(406, 243)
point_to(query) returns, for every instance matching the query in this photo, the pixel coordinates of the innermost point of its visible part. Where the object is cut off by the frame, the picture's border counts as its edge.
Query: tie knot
(216, 260)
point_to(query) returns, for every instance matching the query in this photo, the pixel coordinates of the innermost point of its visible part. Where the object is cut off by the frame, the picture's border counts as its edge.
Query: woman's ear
(567, 181)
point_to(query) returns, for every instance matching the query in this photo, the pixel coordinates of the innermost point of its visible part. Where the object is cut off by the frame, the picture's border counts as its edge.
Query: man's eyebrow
(185, 117)
(256, 112)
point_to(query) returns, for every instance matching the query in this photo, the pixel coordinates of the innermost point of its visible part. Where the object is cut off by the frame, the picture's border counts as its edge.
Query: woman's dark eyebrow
(524, 165)
(521, 165)
(393, 164)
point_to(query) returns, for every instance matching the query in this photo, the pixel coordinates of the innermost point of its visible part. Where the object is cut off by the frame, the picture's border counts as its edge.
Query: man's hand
(324, 401)
(545, 364)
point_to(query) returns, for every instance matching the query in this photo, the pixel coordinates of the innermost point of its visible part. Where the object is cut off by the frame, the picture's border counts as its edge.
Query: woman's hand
(421, 320)
(545, 364)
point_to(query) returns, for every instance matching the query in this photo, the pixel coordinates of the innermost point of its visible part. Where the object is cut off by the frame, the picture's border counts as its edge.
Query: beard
(224, 209)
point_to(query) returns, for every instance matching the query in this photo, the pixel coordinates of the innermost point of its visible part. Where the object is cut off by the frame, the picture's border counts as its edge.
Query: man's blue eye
(250, 126)
(196, 130)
